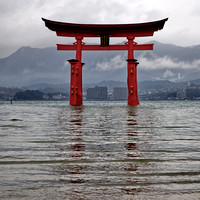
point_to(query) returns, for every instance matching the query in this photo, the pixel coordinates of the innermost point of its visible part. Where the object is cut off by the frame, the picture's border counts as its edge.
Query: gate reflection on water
(103, 150)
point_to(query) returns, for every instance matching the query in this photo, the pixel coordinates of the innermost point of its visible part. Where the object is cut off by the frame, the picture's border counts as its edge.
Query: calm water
(102, 150)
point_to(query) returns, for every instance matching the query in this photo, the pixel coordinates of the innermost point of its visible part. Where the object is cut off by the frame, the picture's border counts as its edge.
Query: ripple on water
(100, 150)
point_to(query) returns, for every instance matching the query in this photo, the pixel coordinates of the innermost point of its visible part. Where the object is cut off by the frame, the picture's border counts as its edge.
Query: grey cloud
(117, 62)
(146, 64)
(166, 62)
(21, 20)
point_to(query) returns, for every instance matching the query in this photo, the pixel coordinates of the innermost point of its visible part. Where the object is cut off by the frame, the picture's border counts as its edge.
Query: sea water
(101, 150)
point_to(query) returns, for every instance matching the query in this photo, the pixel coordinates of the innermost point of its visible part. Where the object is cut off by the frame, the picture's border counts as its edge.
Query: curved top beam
(113, 30)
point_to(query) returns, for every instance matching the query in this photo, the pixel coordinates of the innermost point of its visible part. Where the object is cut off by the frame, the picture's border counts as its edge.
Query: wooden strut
(68, 47)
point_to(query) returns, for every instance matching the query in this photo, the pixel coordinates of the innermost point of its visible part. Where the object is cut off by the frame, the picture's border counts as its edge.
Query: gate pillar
(76, 97)
(132, 74)
(132, 82)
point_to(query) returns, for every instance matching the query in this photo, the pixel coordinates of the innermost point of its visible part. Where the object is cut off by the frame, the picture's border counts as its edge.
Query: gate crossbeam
(68, 47)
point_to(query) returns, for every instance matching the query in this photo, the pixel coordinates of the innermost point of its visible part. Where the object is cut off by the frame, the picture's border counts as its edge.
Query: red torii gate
(104, 31)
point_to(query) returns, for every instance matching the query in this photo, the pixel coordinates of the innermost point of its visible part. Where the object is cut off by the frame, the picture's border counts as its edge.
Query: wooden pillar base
(132, 82)
(76, 97)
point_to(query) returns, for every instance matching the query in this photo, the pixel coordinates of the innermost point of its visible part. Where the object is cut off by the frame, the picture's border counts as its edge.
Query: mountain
(176, 52)
(29, 66)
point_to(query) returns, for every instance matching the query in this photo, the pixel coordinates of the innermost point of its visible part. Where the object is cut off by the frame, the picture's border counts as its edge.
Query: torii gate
(104, 31)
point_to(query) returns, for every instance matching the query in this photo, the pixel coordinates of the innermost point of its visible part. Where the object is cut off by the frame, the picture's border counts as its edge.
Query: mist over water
(102, 150)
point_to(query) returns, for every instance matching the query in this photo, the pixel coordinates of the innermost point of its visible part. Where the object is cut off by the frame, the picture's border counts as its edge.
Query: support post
(78, 48)
(79, 95)
(132, 75)
(76, 96)
(73, 82)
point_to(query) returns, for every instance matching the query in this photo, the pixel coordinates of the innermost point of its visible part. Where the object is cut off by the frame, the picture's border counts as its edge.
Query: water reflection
(103, 150)
(74, 147)
(77, 147)
(75, 125)
(131, 168)
(132, 133)
(100, 152)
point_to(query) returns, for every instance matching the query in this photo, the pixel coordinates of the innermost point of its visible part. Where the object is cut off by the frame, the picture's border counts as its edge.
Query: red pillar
(132, 75)
(76, 97)
(73, 82)
(78, 48)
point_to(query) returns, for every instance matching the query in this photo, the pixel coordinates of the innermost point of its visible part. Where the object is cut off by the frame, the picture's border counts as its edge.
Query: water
(102, 150)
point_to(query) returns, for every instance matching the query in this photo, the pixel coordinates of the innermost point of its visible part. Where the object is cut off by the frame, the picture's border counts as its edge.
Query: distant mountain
(176, 52)
(142, 85)
(29, 66)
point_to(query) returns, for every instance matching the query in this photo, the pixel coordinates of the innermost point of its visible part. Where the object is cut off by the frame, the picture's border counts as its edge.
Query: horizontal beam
(144, 33)
(143, 47)
(96, 30)
(68, 47)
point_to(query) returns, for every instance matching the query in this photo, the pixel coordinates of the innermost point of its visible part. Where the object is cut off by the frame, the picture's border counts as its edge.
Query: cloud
(156, 63)
(21, 23)
(168, 74)
(147, 64)
(115, 63)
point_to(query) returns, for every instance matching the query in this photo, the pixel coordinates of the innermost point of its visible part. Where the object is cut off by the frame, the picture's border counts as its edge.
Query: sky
(21, 24)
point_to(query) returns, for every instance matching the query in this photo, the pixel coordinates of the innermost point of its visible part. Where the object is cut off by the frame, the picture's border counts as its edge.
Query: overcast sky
(21, 24)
